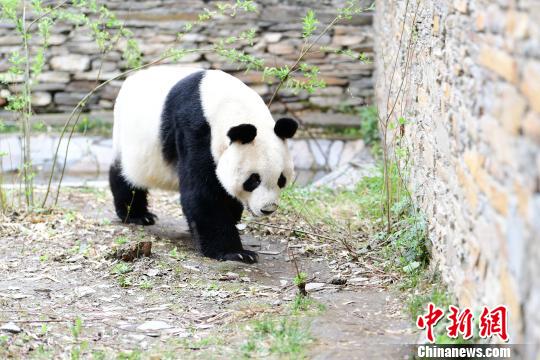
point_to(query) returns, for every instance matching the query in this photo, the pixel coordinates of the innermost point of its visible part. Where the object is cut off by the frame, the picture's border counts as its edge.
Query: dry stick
(407, 65)
(28, 188)
(291, 229)
(45, 14)
(302, 54)
(394, 69)
(385, 137)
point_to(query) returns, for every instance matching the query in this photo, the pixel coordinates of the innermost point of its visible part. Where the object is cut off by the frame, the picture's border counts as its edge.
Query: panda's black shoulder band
(285, 128)
(244, 133)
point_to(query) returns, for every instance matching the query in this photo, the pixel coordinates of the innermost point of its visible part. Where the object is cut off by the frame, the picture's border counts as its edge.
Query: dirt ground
(61, 296)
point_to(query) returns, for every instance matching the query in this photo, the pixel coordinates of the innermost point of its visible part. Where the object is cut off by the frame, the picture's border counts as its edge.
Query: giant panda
(208, 135)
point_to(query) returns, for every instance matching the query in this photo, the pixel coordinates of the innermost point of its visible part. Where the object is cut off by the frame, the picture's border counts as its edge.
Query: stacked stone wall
(74, 61)
(470, 92)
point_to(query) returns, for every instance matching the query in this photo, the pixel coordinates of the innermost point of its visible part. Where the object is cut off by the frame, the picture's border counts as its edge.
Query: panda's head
(257, 165)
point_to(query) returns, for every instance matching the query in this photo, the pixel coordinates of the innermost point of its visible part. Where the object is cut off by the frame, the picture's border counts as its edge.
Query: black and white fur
(207, 134)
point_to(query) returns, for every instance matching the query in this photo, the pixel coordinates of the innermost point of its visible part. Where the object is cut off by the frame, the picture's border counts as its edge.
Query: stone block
(301, 154)
(347, 40)
(531, 126)
(53, 77)
(461, 5)
(319, 148)
(510, 108)
(325, 102)
(334, 154)
(271, 38)
(41, 98)
(499, 62)
(70, 63)
(530, 84)
(281, 48)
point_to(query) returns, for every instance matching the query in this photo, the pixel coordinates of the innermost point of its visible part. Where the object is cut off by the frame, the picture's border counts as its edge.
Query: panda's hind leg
(130, 202)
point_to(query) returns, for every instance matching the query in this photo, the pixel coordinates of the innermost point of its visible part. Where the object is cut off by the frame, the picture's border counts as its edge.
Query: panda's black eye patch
(253, 181)
(282, 181)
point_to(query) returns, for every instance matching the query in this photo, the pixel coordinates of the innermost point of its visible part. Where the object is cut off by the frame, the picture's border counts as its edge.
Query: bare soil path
(62, 297)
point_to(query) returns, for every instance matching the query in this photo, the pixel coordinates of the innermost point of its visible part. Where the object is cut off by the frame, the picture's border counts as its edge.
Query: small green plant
(121, 268)
(124, 281)
(300, 281)
(146, 285)
(132, 355)
(175, 254)
(303, 304)
(76, 328)
(121, 240)
(369, 125)
(283, 337)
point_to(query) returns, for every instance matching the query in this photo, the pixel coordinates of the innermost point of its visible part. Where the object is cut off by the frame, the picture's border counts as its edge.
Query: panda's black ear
(285, 128)
(244, 133)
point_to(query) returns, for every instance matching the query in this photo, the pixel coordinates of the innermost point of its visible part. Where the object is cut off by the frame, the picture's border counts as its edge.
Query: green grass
(284, 337)
(305, 304)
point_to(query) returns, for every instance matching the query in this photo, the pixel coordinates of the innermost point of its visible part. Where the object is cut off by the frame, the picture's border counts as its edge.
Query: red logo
(492, 322)
(429, 320)
(460, 323)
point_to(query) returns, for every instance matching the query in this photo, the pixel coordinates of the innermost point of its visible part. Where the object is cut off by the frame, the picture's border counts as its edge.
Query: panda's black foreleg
(213, 224)
(131, 203)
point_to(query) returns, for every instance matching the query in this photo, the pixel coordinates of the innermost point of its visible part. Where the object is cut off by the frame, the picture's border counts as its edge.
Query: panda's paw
(246, 256)
(144, 219)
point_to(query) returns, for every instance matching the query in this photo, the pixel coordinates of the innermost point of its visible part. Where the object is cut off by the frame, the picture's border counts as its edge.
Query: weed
(121, 268)
(369, 124)
(177, 255)
(283, 337)
(121, 240)
(132, 355)
(124, 281)
(76, 328)
(146, 285)
(303, 304)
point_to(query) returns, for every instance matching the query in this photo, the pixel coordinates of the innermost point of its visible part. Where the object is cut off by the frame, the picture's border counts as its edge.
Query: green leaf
(309, 24)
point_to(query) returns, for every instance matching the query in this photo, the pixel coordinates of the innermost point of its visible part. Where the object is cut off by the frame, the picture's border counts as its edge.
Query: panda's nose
(268, 209)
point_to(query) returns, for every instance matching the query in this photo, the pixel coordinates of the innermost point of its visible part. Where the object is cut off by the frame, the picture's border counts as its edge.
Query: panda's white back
(137, 119)
(226, 102)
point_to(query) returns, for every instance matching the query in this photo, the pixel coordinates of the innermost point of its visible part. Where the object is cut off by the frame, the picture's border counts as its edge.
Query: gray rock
(41, 98)
(301, 154)
(95, 74)
(281, 48)
(153, 325)
(53, 77)
(11, 328)
(351, 149)
(319, 148)
(73, 63)
(272, 37)
(347, 40)
(310, 287)
(325, 101)
(334, 154)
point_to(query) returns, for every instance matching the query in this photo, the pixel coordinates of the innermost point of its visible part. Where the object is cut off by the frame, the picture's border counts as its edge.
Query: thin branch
(47, 13)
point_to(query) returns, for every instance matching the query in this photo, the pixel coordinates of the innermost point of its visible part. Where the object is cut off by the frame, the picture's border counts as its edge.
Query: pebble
(153, 325)
(314, 286)
(11, 327)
